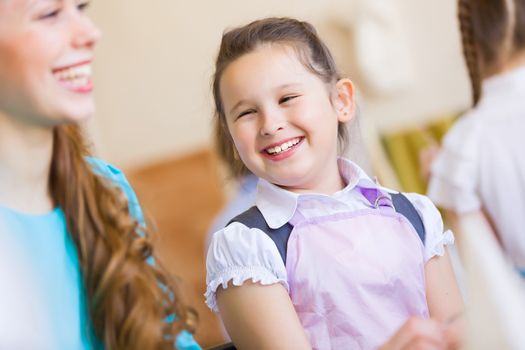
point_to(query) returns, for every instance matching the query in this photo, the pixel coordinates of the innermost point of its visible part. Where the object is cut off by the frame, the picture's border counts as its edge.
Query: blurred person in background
(480, 169)
(72, 225)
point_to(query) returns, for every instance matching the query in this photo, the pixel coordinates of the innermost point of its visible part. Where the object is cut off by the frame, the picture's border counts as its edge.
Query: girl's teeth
(285, 146)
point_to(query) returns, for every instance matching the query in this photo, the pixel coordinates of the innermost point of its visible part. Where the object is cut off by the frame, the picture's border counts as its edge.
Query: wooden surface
(181, 197)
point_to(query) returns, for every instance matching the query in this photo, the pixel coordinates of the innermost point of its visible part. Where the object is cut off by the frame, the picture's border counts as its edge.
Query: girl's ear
(345, 100)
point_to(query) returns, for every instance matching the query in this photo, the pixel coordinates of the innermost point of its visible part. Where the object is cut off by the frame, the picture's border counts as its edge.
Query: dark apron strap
(253, 218)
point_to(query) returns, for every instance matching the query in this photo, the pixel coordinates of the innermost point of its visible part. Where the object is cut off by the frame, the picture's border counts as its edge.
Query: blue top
(49, 256)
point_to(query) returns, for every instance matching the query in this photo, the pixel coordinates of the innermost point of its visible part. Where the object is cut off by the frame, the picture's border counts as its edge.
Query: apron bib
(356, 277)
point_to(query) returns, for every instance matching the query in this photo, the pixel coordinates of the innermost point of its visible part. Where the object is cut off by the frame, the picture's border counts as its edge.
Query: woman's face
(46, 50)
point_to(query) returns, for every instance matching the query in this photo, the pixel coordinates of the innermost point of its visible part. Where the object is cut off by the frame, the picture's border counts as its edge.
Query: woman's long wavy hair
(492, 31)
(311, 51)
(129, 299)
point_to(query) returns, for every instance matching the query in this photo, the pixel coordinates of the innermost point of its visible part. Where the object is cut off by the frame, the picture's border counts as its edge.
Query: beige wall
(155, 60)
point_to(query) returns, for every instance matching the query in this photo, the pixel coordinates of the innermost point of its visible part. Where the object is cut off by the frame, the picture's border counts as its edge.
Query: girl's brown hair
(491, 32)
(301, 36)
(129, 299)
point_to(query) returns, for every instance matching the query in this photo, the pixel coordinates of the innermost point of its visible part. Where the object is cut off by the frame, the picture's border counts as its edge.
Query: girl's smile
(282, 150)
(284, 119)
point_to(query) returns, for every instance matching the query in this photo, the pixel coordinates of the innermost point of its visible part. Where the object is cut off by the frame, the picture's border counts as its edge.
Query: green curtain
(403, 149)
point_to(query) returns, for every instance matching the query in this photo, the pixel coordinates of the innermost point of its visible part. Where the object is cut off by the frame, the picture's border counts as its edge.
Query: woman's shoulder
(107, 170)
(116, 176)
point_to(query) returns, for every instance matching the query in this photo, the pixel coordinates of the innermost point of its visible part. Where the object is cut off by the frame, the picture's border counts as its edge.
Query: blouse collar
(278, 205)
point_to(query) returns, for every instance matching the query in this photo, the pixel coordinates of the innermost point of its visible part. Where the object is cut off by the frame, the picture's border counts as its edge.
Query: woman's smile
(76, 77)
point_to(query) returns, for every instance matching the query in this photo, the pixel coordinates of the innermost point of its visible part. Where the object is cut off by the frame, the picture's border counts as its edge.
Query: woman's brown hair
(301, 36)
(129, 299)
(491, 32)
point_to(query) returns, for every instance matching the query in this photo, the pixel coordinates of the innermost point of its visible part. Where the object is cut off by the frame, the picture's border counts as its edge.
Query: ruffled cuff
(238, 275)
(437, 247)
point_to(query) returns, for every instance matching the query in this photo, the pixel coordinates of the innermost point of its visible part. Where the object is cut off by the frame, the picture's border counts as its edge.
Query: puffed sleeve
(435, 237)
(238, 253)
(455, 171)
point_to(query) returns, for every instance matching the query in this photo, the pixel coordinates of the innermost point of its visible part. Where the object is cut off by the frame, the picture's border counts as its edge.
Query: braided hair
(492, 31)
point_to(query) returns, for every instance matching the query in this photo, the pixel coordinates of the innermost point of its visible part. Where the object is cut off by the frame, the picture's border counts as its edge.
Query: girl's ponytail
(492, 33)
(470, 49)
(129, 299)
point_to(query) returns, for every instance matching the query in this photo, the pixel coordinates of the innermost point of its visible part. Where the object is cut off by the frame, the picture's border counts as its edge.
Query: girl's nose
(272, 123)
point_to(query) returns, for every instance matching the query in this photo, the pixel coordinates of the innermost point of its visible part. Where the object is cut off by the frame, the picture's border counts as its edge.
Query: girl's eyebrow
(288, 85)
(33, 3)
(237, 106)
(280, 87)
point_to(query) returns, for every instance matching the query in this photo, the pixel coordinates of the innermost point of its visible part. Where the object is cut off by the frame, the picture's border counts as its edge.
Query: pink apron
(356, 277)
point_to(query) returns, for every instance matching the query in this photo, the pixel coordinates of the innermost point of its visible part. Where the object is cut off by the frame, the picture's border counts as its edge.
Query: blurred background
(153, 74)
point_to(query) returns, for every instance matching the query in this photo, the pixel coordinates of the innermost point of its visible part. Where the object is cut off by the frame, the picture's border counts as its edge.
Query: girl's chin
(289, 184)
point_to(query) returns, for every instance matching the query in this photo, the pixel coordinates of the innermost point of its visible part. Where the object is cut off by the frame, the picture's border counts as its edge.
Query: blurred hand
(426, 158)
(418, 334)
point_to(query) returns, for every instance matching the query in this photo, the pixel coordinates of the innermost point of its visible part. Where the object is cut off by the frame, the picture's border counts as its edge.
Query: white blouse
(482, 162)
(238, 253)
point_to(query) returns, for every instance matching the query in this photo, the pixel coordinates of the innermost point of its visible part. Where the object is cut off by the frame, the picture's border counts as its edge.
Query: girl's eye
(50, 14)
(243, 113)
(287, 98)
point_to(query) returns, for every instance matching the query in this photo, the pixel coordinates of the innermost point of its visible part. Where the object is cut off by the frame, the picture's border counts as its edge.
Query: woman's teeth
(75, 76)
(283, 147)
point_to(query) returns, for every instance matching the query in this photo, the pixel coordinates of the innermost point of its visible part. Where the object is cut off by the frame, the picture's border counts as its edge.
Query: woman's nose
(85, 32)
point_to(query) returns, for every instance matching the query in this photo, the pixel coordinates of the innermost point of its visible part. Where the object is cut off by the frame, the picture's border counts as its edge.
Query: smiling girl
(327, 258)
